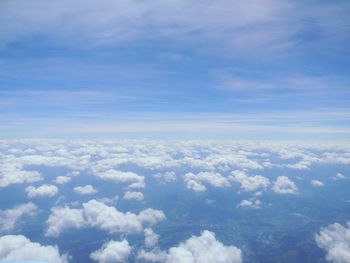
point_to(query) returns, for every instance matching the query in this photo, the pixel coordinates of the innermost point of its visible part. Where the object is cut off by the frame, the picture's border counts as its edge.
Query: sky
(254, 69)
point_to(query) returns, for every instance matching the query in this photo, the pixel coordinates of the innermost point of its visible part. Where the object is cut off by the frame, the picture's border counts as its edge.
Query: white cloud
(268, 22)
(10, 174)
(195, 181)
(194, 185)
(62, 179)
(97, 214)
(18, 247)
(138, 196)
(137, 185)
(250, 203)
(335, 240)
(121, 177)
(151, 216)
(41, 191)
(85, 190)
(249, 183)
(151, 238)
(9, 217)
(110, 219)
(316, 183)
(205, 249)
(302, 165)
(109, 201)
(113, 251)
(339, 176)
(166, 177)
(154, 255)
(283, 185)
(62, 219)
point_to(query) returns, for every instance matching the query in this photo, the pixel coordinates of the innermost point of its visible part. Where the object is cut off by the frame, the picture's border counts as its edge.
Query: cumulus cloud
(205, 249)
(335, 240)
(339, 176)
(113, 251)
(10, 174)
(194, 185)
(249, 183)
(18, 247)
(137, 185)
(316, 183)
(151, 238)
(138, 196)
(62, 179)
(196, 182)
(250, 203)
(151, 216)
(110, 219)
(85, 190)
(136, 181)
(283, 185)
(41, 191)
(9, 217)
(97, 214)
(62, 219)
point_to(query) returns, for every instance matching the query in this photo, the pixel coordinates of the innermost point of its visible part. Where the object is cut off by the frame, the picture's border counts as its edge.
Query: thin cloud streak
(170, 124)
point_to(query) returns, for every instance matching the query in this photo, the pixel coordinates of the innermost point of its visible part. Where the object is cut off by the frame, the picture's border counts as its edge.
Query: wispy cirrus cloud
(117, 67)
(268, 25)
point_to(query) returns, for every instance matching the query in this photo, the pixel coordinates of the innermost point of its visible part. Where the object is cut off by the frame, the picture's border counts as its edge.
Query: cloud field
(106, 186)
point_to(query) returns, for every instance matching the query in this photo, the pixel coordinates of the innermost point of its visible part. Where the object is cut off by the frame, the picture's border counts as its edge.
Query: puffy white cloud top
(62, 179)
(205, 249)
(63, 218)
(151, 238)
(249, 183)
(85, 190)
(195, 181)
(138, 196)
(97, 214)
(18, 247)
(335, 240)
(197, 249)
(112, 252)
(283, 185)
(9, 217)
(10, 174)
(41, 191)
(119, 176)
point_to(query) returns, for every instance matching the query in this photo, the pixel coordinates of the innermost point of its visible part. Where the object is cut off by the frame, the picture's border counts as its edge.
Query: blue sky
(175, 69)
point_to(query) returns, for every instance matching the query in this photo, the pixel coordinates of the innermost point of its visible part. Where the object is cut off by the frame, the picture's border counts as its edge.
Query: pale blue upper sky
(253, 69)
